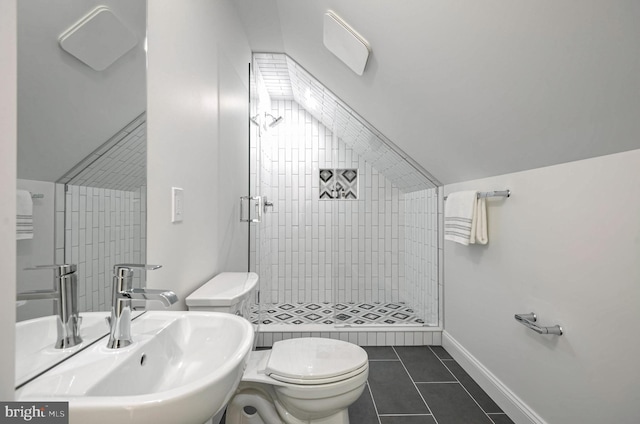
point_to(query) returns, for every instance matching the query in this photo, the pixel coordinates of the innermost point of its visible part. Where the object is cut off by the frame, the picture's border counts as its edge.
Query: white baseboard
(511, 404)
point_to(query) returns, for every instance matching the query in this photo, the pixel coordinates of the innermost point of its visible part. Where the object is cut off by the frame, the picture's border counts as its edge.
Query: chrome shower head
(276, 121)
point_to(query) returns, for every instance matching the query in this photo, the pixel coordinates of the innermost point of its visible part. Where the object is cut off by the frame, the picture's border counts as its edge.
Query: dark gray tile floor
(421, 385)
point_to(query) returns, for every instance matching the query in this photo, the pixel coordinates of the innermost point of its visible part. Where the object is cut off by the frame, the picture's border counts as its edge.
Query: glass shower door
(256, 264)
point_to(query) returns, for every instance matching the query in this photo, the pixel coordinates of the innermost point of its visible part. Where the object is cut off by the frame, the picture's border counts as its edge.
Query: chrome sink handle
(139, 266)
(125, 270)
(123, 294)
(59, 269)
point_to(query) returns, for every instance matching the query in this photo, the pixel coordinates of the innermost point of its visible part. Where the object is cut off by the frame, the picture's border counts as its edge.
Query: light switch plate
(177, 204)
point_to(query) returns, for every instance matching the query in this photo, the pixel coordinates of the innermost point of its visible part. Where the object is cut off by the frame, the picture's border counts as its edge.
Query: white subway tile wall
(421, 253)
(274, 75)
(101, 227)
(319, 242)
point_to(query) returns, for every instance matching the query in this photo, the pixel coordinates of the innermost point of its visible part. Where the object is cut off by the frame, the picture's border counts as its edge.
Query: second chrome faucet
(66, 295)
(123, 294)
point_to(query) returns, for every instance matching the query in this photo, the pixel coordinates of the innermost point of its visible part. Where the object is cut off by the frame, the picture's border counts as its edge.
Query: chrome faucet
(66, 294)
(123, 294)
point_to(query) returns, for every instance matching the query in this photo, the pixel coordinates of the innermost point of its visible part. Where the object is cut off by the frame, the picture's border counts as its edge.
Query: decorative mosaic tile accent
(338, 184)
(347, 182)
(345, 313)
(327, 183)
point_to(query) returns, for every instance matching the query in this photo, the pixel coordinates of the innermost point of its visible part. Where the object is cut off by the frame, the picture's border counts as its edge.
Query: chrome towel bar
(499, 193)
(528, 320)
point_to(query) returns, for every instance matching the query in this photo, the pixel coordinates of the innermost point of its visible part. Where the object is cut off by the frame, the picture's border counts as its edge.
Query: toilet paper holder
(529, 321)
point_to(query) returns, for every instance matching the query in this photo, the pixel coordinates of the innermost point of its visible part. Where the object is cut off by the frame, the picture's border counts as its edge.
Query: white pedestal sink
(36, 338)
(182, 368)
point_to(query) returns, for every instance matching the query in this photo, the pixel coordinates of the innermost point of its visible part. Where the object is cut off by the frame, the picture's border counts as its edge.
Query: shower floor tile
(352, 313)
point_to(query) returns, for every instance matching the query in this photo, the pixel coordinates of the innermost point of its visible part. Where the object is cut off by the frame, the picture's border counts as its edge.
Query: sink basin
(183, 367)
(35, 340)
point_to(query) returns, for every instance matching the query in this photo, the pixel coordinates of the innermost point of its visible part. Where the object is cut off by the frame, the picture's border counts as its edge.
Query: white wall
(8, 137)
(566, 246)
(198, 58)
(501, 86)
(53, 82)
(232, 167)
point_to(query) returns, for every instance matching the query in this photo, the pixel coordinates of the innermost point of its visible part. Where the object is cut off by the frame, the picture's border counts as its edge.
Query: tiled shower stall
(364, 260)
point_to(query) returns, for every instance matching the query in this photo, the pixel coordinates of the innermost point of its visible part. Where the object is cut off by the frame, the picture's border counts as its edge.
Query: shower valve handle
(267, 205)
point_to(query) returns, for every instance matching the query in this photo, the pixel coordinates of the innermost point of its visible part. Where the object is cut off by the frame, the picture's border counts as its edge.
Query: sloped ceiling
(285, 79)
(119, 164)
(472, 89)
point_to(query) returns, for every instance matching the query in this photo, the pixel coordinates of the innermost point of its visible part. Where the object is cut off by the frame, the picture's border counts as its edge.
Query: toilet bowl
(304, 380)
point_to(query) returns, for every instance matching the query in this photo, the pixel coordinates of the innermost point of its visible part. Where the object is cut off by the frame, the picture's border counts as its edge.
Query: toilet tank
(230, 292)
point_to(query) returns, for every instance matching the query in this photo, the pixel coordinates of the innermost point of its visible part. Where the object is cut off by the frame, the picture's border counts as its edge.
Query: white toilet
(305, 380)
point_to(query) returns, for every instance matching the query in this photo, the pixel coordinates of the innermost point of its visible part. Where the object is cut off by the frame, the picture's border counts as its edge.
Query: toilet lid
(315, 360)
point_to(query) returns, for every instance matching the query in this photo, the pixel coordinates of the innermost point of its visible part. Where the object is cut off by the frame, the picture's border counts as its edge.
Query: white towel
(459, 210)
(479, 223)
(24, 215)
(465, 218)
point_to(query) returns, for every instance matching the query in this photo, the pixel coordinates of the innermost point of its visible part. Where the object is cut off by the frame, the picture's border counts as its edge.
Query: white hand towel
(465, 218)
(479, 223)
(459, 211)
(24, 215)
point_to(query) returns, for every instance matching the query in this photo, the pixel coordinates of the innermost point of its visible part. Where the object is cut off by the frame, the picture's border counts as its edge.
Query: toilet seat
(314, 361)
(334, 379)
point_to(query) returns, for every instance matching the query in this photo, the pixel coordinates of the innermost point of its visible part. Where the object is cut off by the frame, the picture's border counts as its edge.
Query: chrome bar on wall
(497, 193)
(528, 320)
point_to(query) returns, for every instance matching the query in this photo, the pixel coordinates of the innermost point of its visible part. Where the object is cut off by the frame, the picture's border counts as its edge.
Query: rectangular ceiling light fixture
(344, 42)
